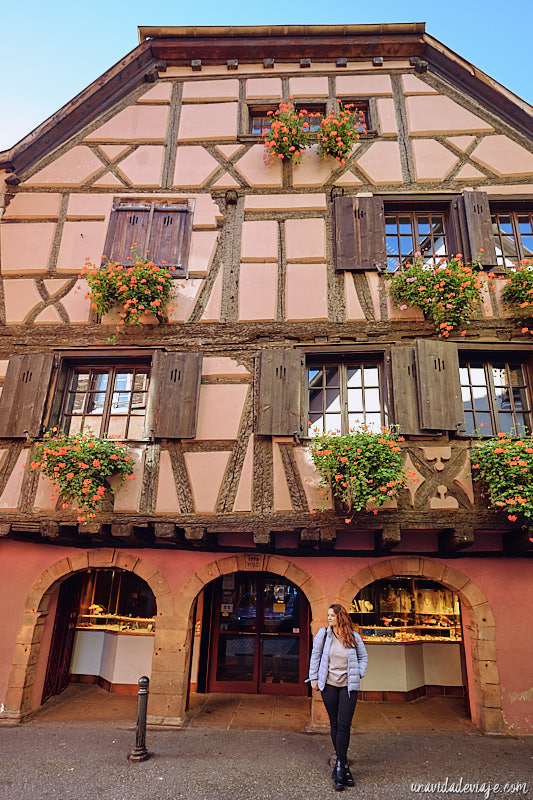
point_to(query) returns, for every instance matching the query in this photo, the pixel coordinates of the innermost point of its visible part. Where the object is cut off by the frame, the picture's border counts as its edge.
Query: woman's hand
(314, 684)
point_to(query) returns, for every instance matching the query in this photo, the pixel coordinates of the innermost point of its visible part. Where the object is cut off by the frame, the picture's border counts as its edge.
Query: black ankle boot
(348, 777)
(338, 776)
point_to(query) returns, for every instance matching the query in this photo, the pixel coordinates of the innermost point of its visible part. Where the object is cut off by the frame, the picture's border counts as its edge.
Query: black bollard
(139, 752)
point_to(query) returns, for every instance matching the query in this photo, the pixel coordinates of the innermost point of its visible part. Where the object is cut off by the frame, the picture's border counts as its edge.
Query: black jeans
(340, 707)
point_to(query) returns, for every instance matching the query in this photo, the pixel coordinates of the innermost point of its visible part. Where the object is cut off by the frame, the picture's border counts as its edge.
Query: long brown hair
(344, 625)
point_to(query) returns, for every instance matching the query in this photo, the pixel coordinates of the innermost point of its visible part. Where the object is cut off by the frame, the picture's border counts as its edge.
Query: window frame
(512, 210)
(420, 206)
(311, 103)
(492, 358)
(66, 362)
(122, 205)
(371, 356)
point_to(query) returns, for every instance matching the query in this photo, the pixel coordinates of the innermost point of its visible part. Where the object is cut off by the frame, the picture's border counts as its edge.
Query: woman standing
(338, 661)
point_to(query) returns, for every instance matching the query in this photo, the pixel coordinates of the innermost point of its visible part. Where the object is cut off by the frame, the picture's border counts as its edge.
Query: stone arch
(485, 694)
(28, 640)
(190, 590)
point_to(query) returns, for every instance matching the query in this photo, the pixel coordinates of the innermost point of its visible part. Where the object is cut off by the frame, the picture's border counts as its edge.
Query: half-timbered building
(210, 571)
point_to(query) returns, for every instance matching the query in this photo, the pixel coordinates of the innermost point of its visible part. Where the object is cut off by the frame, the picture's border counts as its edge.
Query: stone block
(258, 291)
(253, 169)
(305, 240)
(383, 569)
(211, 90)
(306, 292)
(406, 566)
(125, 561)
(102, 557)
(454, 579)
(135, 123)
(79, 560)
(60, 569)
(259, 241)
(144, 166)
(381, 163)
(484, 616)
(296, 575)
(363, 85)
(21, 299)
(491, 720)
(208, 121)
(194, 166)
(430, 115)
(490, 694)
(277, 565)
(228, 565)
(208, 573)
(144, 570)
(73, 168)
(26, 248)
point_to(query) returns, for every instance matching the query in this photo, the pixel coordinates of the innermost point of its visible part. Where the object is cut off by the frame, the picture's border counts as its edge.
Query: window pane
(333, 423)
(469, 423)
(120, 402)
(332, 376)
(315, 400)
(481, 400)
(371, 376)
(372, 402)
(90, 425)
(136, 428)
(373, 422)
(353, 376)
(355, 400)
(95, 403)
(477, 376)
(80, 381)
(117, 427)
(123, 380)
(333, 400)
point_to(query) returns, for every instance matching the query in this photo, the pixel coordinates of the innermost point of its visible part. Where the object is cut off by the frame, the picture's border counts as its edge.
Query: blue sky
(52, 50)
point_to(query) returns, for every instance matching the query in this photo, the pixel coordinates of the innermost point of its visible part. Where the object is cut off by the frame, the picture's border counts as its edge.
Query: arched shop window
(407, 609)
(116, 600)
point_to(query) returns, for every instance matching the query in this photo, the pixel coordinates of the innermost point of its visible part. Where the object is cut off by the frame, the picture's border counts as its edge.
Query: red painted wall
(505, 582)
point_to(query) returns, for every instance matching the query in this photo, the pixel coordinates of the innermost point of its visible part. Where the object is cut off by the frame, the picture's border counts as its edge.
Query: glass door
(260, 636)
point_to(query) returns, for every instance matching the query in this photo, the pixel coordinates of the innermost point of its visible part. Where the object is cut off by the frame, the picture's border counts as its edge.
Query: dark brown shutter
(404, 387)
(170, 235)
(359, 233)
(473, 227)
(174, 389)
(280, 390)
(439, 389)
(24, 395)
(128, 227)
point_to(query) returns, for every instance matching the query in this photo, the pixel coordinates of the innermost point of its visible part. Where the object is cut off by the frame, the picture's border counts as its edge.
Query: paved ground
(74, 761)
(82, 703)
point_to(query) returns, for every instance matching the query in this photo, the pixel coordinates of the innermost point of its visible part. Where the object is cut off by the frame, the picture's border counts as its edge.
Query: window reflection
(495, 398)
(343, 397)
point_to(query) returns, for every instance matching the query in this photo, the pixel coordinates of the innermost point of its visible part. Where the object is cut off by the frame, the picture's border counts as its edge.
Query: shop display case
(407, 610)
(115, 622)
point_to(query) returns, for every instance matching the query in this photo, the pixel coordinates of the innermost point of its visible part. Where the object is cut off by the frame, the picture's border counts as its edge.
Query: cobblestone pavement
(89, 762)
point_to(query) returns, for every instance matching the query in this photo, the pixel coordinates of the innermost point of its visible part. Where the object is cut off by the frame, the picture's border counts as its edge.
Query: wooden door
(61, 646)
(260, 636)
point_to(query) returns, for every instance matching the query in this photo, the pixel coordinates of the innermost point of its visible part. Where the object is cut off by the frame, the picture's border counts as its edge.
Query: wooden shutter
(439, 389)
(128, 227)
(174, 390)
(280, 390)
(24, 395)
(405, 394)
(359, 233)
(473, 227)
(170, 234)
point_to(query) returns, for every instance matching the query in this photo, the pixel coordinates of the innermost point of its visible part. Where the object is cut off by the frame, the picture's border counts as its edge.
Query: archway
(233, 564)
(484, 686)
(19, 697)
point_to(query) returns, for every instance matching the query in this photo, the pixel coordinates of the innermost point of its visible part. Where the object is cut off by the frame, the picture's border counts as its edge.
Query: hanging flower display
(79, 465)
(339, 131)
(505, 467)
(288, 135)
(360, 467)
(134, 289)
(448, 291)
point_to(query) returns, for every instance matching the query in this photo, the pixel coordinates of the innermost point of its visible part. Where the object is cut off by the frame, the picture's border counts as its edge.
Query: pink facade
(261, 274)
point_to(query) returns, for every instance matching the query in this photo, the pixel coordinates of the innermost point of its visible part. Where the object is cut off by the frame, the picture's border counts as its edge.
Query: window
(496, 395)
(344, 396)
(261, 117)
(412, 232)
(163, 230)
(106, 401)
(513, 234)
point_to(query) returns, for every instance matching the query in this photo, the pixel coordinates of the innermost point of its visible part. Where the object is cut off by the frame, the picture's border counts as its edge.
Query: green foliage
(79, 465)
(518, 290)
(339, 131)
(135, 289)
(505, 467)
(360, 467)
(288, 135)
(447, 292)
